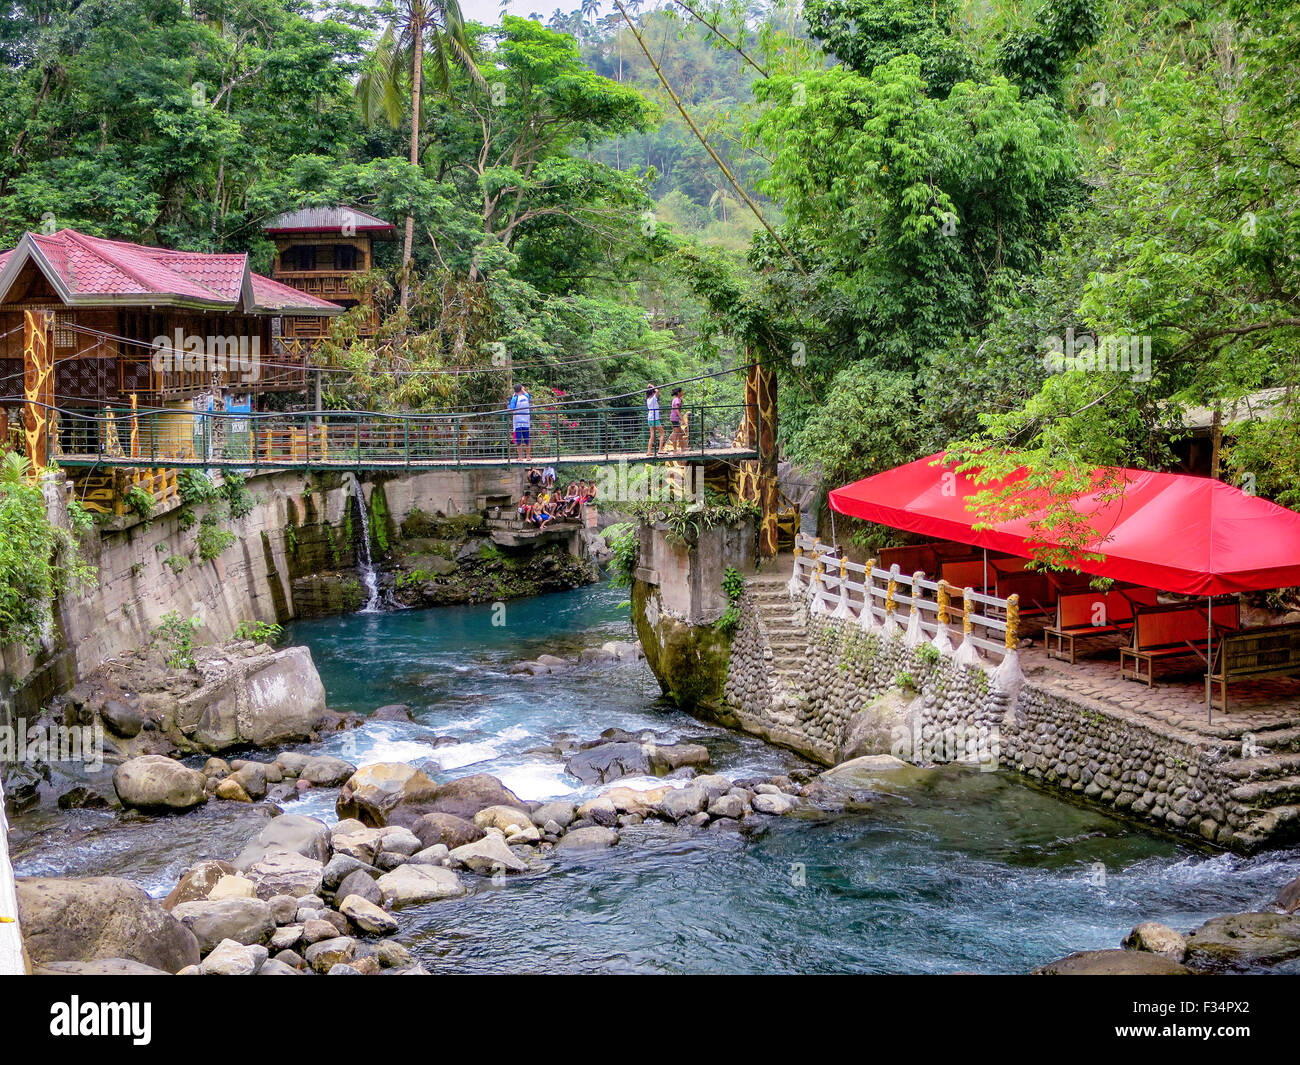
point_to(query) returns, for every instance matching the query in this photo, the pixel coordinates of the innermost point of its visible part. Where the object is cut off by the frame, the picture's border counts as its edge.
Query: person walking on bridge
(521, 403)
(653, 420)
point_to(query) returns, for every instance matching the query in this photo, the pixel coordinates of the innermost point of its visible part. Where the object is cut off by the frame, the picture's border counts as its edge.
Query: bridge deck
(374, 462)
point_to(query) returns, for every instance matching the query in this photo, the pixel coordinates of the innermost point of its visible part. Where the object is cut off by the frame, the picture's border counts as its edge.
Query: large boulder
(157, 784)
(99, 967)
(287, 834)
(234, 959)
(374, 791)
(246, 921)
(410, 885)
(100, 917)
(362, 884)
(447, 829)
(262, 700)
(1113, 963)
(503, 817)
(609, 761)
(367, 916)
(1244, 941)
(680, 803)
(466, 796)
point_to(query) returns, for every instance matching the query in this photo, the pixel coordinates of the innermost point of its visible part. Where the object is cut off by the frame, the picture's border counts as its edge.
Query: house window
(345, 257)
(300, 257)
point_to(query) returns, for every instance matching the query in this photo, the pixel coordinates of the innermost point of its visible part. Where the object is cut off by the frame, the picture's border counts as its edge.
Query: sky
(488, 12)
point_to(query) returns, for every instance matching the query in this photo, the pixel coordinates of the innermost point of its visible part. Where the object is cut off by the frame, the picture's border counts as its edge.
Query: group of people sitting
(541, 478)
(551, 503)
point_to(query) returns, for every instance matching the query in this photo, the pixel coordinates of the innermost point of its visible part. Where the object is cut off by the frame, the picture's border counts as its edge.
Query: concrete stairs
(787, 635)
(1270, 784)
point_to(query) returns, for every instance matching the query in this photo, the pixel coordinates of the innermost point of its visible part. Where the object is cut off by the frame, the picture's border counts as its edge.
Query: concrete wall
(302, 526)
(848, 701)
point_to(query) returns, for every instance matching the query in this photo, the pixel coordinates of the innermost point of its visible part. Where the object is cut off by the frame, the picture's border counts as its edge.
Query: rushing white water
(366, 563)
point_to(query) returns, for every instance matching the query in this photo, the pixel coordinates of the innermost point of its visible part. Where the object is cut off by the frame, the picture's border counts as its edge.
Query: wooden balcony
(327, 284)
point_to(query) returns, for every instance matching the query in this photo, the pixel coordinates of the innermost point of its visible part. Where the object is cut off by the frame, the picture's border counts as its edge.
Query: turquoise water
(970, 872)
(966, 872)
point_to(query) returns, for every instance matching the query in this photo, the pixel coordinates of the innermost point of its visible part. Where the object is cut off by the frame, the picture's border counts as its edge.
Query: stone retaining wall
(863, 692)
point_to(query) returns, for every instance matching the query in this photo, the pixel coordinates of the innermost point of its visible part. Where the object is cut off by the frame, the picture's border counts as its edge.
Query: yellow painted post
(867, 586)
(917, 578)
(38, 386)
(892, 591)
(943, 597)
(1013, 622)
(135, 426)
(968, 606)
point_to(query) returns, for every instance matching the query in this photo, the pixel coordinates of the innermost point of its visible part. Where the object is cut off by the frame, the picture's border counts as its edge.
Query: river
(968, 872)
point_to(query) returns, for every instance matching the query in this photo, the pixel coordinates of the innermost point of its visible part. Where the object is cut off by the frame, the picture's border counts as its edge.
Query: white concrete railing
(11, 942)
(905, 605)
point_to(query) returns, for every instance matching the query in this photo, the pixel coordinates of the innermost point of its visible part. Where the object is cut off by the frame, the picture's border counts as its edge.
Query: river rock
(326, 771)
(233, 959)
(562, 813)
(435, 855)
(677, 756)
(155, 783)
(1288, 899)
(594, 837)
(374, 791)
(230, 790)
(330, 952)
(393, 712)
(393, 955)
(1244, 941)
(363, 845)
(286, 873)
(360, 883)
(125, 721)
(727, 806)
(233, 887)
(503, 817)
(634, 801)
(264, 700)
(600, 810)
(609, 761)
(275, 967)
(100, 917)
(487, 856)
(338, 867)
(197, 882)
(283, 908)
(680, 803)
(287, 834)
(251, 776)
(413, 884)
(1156, 938)
(397, 840)
(286, 937)
(102, 967)
(368, 917)
(246, 921)
(773, 804)
(1113, 963)
(466, 796)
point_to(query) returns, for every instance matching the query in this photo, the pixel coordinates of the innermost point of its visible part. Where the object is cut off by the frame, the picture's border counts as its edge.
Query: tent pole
(1209, 661)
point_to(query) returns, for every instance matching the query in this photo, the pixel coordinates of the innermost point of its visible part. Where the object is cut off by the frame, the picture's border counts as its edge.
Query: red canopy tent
(1192, 535)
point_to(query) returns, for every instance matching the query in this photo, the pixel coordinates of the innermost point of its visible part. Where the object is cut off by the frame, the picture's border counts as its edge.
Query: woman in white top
(652, 420)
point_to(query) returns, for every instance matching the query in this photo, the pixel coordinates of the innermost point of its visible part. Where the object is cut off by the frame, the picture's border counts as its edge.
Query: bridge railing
(909, 604)
(156, 436)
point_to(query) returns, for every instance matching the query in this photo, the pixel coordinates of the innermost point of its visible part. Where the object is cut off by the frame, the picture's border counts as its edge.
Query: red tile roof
(92, 270)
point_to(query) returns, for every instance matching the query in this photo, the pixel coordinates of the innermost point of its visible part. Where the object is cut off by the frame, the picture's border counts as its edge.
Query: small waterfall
(366, 564)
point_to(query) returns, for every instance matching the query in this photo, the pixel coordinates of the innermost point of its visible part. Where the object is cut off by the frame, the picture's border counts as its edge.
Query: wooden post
(38, 386)
(760, 413)
(943, 597)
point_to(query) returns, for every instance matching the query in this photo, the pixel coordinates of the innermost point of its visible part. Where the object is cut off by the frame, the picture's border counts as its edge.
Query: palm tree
(414, 28)
(591, 8)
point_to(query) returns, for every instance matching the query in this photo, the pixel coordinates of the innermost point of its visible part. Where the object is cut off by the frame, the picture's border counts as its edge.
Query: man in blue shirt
(521, 403)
